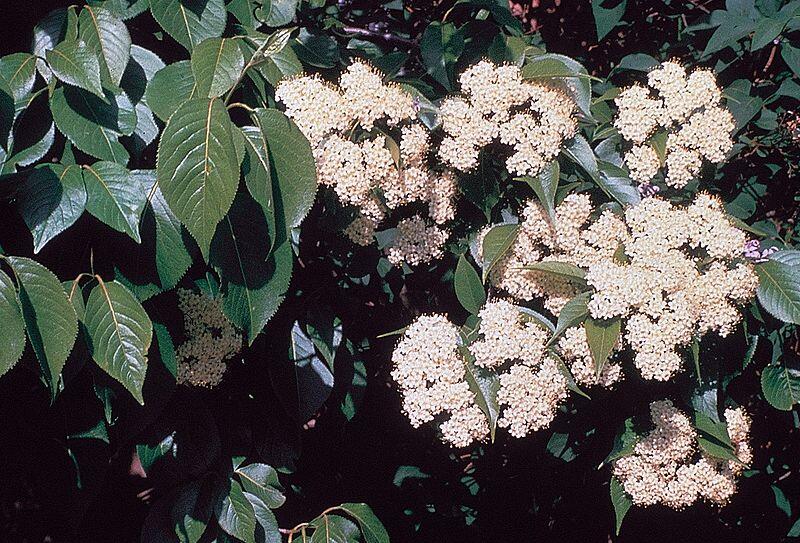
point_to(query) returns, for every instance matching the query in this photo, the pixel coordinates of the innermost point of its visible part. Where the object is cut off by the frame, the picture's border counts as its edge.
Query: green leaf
(256, 171)
(267, 530)
(115, 197)
(572, 314)
(262, 481)
(256, 281)
(565, 371)
(577, 82)
(46, 34)
(197, 168)
(120, 332)
(172, 257)
(621, 502)
(563, 270)
(191, 511)
(12, 332)
(624, 442)
(94, 125)
(33, 134)
(75, 64)
(612, 179)
(107, 35)
(49, 316)
(293, 168)
(484, 384)
(791, 56)
(235, 514)
(468, 286)
(217, 64)
(277, 12)
(605, 19)
(441, 45)
(659, 144)
(371, 527)
(766, 30)
(779, 290)
(314, 378)
(741, 103)
(319, 50)
(19, 71)
(713, 438)
(166, 348)
(780, 385)
(51, 200)
(190, 22)
(602, 335)
(545, 186)
(496, 242)
(170, 87)
(124, 9)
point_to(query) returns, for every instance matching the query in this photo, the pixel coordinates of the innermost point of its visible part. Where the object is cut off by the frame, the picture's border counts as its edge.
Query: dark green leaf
(563, 270)
(277, 12)
(602, 336)
(267, 530)
(108, 36)
(713, 438)
(197, 168)
(484, 384)
(468, 286)
(780, 385)
(46, 34)
(19, 71)
(235, 514)
(49, 316)
(791, 56)
(545, 185)
(441, 45)
(624, 442)
(779, 290)
(371, 527)
(572, 314)
(317, 50)
(51, 200)
(115, 196)
(12, 332)
(256, 171)
(120, 332)
(190, 22)
(170, 87)
(262, 480)
(217, 64)
(166, 348)
(621, 501)
(496, 242)
(314, 378)
(605, 19)
(191, 511)
(172, 256)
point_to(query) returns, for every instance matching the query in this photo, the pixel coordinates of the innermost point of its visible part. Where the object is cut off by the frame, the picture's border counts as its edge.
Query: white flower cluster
(430, 372)
(666, 468)
(498, 105)
(687, 110)
(568, 239)
(211, 339)
(366, 170)
(574, 348)
(684, 277)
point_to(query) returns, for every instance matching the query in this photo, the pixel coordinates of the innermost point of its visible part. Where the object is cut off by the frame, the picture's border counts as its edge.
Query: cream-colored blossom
(211, 339)
(416, 242)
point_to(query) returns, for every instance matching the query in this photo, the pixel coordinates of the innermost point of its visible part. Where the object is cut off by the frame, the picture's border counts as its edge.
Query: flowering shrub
(264, 256)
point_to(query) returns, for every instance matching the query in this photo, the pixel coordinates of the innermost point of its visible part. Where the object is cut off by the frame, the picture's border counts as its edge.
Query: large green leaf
(120, 332)
(74, 63)
(371, 527)
(262, 480)
(256, 171)
(713, 438)
(293, 169)
(484, 385)
(115, 196)
(190, 22)
(197, 167)
(256, 281)
(33, 134)
(779, 290)
(172, 256)
(496, 242)
(170, 87)
(621, 502)
(572, 314)
(51, 200)
(545, 186)
(107, 35)
(217, 64)
(92, 125)
(468, 286)
(441, 45)
(12, 332)
(602, 335)
(19, 71)
(49, 316)
(46, 34)
(277, 12)
(780, 385)
(605, 19)
(236, 515)
(267, 530)
(610, 180)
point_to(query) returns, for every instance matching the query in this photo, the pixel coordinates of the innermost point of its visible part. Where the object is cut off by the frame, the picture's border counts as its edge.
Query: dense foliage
(215, 319)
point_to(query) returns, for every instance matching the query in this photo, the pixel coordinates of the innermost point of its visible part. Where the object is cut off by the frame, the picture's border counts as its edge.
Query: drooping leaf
(484, 384)
(170, 87)
(33, 135)
(92, 125)
(602, 336)
(780, 385)
(235, 514)
(267, 530)
(371, 527)
(496, 242)
(217, 64)
(779, 290)
(606, 18)
(19, 71)
(293, 169)
(621, 502)
(190, 22)
(566, 71)
(49, 316)
(115, 196)
(612, 179)
(120, 332)
(51, 200)
(197, 167)
(256, 171)
(713, 437)
(318, 50)
(12, 332)
(106, 34)
(277, 12)
(166, 348)
(172, 256)
(468, 286)
(262, 481)
(624, 442)
(545, 185)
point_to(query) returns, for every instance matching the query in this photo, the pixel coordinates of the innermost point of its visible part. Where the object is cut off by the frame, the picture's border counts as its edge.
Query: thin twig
(388, 36)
